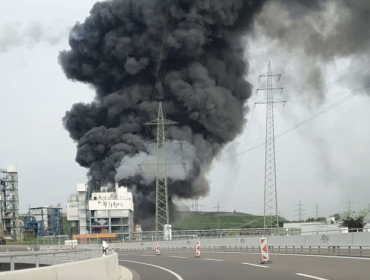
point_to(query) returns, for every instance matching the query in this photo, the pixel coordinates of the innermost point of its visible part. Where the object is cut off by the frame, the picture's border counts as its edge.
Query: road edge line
(156, 266)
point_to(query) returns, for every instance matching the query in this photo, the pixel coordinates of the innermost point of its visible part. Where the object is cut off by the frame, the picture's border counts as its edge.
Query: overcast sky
(325, 161)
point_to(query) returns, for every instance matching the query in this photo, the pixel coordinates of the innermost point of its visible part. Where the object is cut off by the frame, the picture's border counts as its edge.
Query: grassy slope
(203, 220)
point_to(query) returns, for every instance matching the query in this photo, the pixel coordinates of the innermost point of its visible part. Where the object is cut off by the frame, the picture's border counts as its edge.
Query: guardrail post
(310, 249)
(349, 250)
(361, 251)
(11, 264)
(293, 249)
(54, 259)
(319, 249)
(301, 249)
(37, 261)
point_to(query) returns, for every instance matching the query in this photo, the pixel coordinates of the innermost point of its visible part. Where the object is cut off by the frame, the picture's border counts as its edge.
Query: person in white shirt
(105, 248)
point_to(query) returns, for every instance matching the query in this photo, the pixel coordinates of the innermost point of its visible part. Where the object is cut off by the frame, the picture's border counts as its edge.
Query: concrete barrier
(106, 268)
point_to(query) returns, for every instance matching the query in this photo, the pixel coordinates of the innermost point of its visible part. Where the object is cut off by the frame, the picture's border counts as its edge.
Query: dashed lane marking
(258, 265)
(310, 276)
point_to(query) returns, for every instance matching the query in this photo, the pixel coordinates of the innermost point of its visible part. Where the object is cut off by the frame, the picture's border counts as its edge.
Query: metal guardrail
(233, 233)
(53, 256)
(359, 251)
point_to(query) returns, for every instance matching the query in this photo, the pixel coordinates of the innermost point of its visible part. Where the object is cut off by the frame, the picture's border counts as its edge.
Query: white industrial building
(101, 212)
(309, 228)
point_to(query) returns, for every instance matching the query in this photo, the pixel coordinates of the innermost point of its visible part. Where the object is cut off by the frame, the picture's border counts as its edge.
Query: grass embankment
(202, 220)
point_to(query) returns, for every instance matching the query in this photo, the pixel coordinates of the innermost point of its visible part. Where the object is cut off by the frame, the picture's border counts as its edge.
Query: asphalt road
(229, 265)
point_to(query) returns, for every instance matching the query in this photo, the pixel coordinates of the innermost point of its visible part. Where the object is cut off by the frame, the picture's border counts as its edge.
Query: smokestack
(116, 50)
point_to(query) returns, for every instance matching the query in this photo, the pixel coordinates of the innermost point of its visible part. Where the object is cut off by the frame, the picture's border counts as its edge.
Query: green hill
(217, 220)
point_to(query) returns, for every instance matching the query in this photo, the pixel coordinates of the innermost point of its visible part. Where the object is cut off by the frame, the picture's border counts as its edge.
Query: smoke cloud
(13, 34)
(291, 22)
(117, 51)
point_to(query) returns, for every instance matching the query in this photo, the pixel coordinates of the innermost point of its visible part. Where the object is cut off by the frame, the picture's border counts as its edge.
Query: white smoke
(13, 34)
(144, 164)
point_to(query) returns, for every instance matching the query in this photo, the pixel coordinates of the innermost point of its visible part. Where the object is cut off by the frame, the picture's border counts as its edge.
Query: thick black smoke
(117, 51)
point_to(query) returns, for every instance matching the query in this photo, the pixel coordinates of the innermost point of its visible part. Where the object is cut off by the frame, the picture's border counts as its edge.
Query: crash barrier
(342, 240)
(103, 268)
(354, 251)
(46, 258)
(357, 243)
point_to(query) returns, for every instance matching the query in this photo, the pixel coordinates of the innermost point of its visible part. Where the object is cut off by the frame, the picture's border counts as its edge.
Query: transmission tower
(270, 211)
(218, 207)
(161, 195)
(317, 211)
(349, 205)
(300, 211)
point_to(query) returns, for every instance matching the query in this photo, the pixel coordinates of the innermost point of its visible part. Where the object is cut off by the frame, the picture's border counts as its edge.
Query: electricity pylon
(270, 211)
(161, 196)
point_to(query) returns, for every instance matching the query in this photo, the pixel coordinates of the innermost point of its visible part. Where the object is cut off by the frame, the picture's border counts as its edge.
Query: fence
(233, 233)
(360, 251)
(358, 242)
(52, 258)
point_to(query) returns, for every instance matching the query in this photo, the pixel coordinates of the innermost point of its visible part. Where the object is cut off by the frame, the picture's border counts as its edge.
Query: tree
(319, 219)
(353, 221)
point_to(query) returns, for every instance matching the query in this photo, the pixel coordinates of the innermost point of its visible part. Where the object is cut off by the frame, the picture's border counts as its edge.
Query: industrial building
(44, 221)
(104, 212)
(9, 202)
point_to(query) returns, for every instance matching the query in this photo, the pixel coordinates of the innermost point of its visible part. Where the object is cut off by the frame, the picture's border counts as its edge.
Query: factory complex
(107, 213)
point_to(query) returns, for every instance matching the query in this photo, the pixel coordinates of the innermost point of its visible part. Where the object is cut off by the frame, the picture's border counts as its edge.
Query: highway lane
(229, 265)
(191, 268)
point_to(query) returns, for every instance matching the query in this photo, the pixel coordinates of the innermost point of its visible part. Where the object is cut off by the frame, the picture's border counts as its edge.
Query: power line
(318, 114)
(327, 109)
(259, 32)
(321, 28)
(313, 35)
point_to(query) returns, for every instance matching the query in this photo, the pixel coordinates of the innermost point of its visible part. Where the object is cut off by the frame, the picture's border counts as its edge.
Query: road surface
(237, 266)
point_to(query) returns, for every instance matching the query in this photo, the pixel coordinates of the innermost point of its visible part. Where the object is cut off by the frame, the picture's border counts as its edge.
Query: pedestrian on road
(105, 247)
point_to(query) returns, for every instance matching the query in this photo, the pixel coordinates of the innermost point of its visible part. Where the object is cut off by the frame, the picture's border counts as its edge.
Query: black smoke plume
(117, 51)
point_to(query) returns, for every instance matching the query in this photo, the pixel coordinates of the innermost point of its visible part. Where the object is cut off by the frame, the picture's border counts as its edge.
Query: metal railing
(49, 257)
(235, 233)
(354, 251)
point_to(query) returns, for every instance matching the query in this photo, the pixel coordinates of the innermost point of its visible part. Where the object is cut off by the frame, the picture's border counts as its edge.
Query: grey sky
(324, 161)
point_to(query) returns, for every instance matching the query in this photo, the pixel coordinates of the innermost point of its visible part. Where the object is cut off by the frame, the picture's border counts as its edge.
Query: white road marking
(178, 257)
(310, 276)
(156, 266)
(148, 255)
(258, 265)
(216, 260)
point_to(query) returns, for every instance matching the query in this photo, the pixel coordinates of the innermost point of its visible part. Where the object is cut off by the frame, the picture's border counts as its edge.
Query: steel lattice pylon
(270, 212)
(161, 212)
